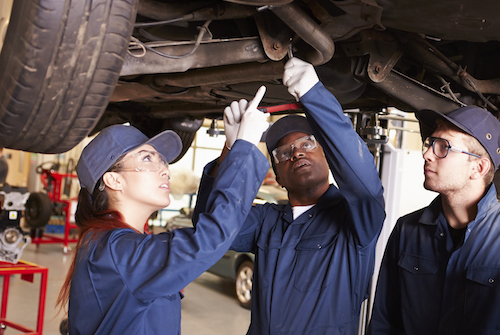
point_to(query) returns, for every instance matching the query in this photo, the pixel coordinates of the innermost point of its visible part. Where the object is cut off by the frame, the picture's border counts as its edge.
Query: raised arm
(168, 262)
(348, 156)
(240, 121)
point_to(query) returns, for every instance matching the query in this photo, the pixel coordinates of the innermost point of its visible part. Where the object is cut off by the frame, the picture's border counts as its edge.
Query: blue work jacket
(312, 274)
(425, 286)
(129, 283)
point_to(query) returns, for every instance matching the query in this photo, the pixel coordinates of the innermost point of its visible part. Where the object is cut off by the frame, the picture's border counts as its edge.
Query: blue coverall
(312, 274)
(129, 283)
(428, 286)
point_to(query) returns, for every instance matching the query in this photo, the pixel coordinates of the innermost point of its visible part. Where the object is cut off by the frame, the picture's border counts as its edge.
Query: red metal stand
(65, 240)
(53, 183)
(27, 271)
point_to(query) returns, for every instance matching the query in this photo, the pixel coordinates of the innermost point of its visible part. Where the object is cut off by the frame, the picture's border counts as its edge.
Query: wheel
(63, 327)
(38, 210)
(187, 139)
(59, 64)
(244, 277)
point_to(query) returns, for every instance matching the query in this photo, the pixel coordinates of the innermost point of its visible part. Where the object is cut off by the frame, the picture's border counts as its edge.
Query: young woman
(123, 281)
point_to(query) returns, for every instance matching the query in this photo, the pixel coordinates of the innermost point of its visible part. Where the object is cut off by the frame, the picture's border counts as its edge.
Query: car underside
(179, 62)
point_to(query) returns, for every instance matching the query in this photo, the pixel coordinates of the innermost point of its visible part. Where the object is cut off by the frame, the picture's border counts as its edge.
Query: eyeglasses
(285, 152)
(143, 161)
(441, 147)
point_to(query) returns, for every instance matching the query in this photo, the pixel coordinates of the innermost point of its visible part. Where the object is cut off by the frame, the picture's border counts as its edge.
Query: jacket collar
(330, 198)
(431, 213)
(489, 200)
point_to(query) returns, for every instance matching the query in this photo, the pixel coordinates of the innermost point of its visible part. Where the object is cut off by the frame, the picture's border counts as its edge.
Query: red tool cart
(58, 188)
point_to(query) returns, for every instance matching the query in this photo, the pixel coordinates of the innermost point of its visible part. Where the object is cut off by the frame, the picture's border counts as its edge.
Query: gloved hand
(232, 119)
(299, 77)
(253, 122)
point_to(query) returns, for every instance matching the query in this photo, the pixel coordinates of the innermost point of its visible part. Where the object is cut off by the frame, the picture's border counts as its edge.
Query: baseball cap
(472, 120)
(115, 141)
(284, 126)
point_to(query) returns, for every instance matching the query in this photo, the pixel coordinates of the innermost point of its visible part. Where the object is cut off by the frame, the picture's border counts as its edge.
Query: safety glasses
(142, 161)
(441, 147)
(285, 152)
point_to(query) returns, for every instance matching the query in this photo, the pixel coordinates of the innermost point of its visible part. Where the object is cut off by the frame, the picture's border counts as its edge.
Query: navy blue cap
(472, 120)
(284, 126)
(115, 141)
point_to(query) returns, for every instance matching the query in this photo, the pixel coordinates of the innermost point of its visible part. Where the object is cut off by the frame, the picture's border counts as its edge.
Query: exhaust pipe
(307, 30)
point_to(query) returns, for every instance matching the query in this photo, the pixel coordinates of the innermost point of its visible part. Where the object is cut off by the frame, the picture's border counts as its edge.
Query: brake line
(144, 46)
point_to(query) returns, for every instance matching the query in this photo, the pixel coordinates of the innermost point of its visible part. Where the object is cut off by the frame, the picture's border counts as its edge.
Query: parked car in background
(236, 266)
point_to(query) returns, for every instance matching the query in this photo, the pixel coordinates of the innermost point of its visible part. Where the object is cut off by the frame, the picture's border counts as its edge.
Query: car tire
(38, 210)
(59, 64)
(63, 327)
(244, 278)
(187, 139)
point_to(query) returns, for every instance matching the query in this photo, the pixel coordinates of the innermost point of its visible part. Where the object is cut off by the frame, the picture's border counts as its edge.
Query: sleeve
(350, 161)
(206, 185)
(245, 239)
(161, 265)
(386, 315)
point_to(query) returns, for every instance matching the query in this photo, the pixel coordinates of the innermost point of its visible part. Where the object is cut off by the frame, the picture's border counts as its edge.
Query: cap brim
(168, 143)
(427, 119)
(284, 126)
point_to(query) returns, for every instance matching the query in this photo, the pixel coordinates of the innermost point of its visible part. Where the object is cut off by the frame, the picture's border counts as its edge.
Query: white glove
(299, 77)
(253, 122)
(232, 119)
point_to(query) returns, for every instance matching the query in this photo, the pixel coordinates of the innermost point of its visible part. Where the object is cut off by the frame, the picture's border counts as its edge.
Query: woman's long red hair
(92, 216)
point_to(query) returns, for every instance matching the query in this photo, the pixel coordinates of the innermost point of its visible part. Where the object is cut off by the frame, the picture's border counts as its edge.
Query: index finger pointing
(258, 97)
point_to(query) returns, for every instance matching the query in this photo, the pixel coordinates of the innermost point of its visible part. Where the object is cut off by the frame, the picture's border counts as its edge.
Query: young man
(314, 256)
(441, 268)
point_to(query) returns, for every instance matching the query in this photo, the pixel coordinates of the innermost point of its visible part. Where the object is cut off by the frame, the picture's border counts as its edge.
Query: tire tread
(60, 93)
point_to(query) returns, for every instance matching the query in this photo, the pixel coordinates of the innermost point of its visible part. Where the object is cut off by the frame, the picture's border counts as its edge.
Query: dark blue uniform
(312, 273)
(129, 283)
(429, 286)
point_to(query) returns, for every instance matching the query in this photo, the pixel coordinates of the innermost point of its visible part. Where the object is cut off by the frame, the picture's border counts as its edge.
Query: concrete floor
(210, 306)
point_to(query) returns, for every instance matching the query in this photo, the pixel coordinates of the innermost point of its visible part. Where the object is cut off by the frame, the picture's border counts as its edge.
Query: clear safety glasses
(441, 147)
(143, 161)
(285, 152)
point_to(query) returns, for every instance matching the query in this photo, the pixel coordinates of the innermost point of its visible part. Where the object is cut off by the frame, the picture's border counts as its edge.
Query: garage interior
(400, 171)
(199, 315)
(370, 54)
